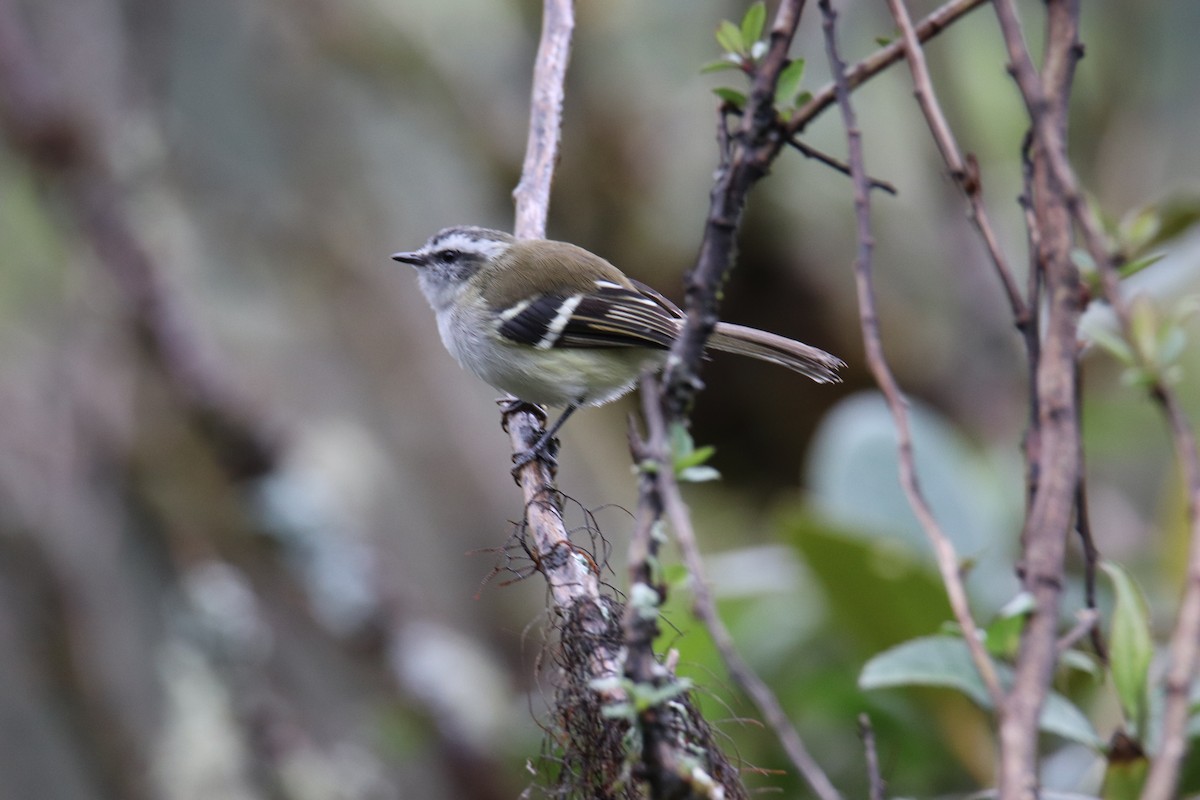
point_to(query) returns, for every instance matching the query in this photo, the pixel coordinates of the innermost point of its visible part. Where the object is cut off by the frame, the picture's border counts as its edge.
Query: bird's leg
(546, 447)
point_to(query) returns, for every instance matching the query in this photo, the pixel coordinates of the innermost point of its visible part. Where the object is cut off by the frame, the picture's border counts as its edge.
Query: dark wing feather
(607, 316)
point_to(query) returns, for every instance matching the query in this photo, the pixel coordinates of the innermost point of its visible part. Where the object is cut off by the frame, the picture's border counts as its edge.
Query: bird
(551, 323)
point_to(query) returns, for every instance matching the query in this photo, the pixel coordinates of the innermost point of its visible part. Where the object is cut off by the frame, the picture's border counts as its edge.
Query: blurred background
(255, 523)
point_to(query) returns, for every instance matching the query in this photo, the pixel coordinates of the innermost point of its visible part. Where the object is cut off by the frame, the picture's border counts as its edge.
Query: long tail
(805, 359)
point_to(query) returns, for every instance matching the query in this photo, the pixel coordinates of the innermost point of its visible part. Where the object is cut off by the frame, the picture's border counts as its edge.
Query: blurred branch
(944, 552)
(1048, 523)
(60, 144)
(878, 789)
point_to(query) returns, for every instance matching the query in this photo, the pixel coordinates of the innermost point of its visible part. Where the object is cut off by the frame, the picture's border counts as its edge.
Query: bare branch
(877, 62)
(532, 194)
(811, 152)
(1048, 523)
(944, 552)
(1184, 653)
(878, 789)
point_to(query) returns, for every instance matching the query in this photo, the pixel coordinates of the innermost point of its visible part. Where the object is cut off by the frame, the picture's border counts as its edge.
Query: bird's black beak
(416, 258)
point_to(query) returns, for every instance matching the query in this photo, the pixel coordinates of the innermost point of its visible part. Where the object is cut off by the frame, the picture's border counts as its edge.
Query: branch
(877, 62)
(754, 146)
(944, 552)
(573, 582)
(1048, 523)
(1184, 651)
(705, 608)
(532, 194)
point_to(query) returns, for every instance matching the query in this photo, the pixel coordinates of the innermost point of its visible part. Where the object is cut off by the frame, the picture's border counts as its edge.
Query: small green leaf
(1130, 645)
(803, 98)
(698, 474)
(646, 696)
(1080, 661)
(1104, 337)
(729, 36)
(753, 22)
(1139, 229)
(694, 458)
(1003, 635)
(731, 96)
(789, 83)
(1171, 345)
(728, 61)
(1136, 266)
(884, 41)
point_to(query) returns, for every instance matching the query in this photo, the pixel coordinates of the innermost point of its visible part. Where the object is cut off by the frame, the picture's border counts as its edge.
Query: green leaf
(789, 83)
(1138, 230)
(1107, 339)
(698, 474)
(729, 36)
(1136, 266)
(731, 96)
(1130, 645)
(753, 22)
(1003, 635)
(884, 41)
(694, 458)
(728, 61)
(943, 661)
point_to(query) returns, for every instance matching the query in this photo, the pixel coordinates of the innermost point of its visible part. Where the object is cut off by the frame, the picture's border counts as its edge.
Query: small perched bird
(552, 323)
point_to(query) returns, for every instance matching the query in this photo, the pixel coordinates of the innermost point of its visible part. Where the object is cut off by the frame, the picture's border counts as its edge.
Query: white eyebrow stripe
(555, 328)
(513, 311)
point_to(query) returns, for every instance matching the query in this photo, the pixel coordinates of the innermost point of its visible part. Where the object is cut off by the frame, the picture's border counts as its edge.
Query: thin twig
(877, 788)
(1083, 525)
(964, 170)
(1184, 651)
(944, 552)
(1087, 620)
(877, 62)
(705, 608)
(808, 151)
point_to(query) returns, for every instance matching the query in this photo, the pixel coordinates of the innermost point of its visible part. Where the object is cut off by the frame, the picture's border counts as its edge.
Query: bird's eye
(451, 255)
